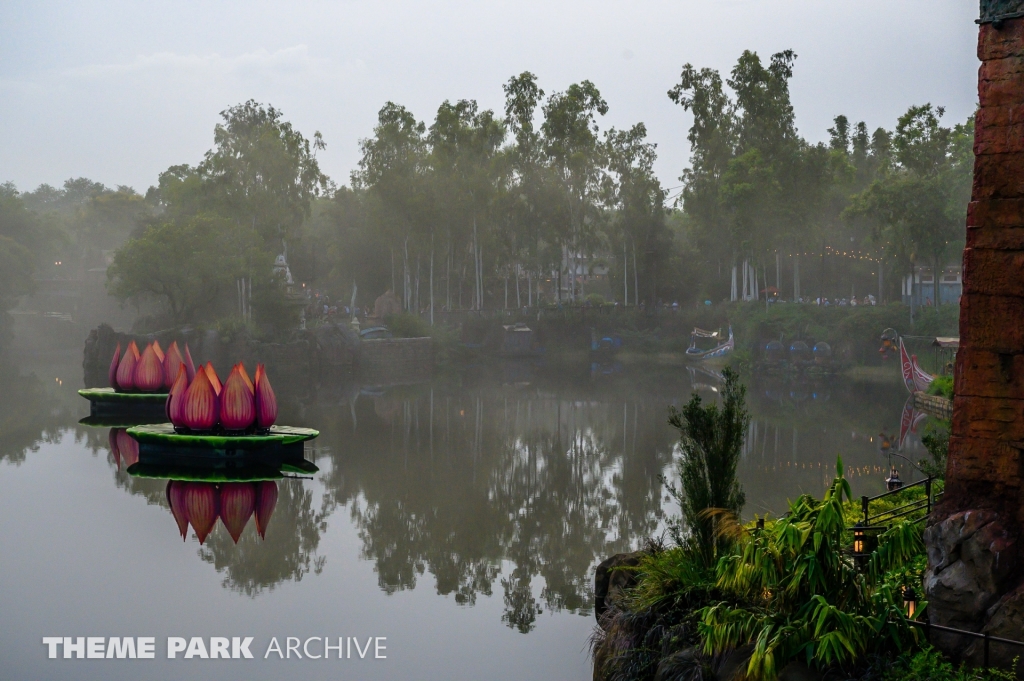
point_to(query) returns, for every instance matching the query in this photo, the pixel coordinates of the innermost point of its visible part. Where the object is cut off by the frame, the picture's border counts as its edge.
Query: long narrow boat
(914, 377)
(696, 354)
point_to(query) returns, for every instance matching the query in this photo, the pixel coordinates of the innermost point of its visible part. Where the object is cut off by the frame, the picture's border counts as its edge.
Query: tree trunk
(936, 274)
(625, 275)
(796, 277)
(529, 287)
(636, 281)
(431, 280)
(519, 302)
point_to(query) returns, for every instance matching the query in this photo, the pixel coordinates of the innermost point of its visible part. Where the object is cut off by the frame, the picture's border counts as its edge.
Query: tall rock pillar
(975, 568)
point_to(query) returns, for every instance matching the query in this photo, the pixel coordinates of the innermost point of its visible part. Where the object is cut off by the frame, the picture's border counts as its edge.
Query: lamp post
(893, 482)
(859, 539)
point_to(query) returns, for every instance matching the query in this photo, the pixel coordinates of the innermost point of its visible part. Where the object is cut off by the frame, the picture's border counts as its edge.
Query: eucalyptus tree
(712, 138)
(464, 145)
(637, 201)
(392, 173)
(919, 202)
(262, 171)
(577, 160)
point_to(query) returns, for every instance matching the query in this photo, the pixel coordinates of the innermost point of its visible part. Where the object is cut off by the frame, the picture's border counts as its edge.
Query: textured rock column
(974, 574)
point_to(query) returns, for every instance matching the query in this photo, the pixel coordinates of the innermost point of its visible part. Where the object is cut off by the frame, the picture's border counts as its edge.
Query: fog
(119, 91)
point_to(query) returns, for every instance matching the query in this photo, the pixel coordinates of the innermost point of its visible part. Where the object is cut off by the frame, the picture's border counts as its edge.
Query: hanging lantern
(893, 482)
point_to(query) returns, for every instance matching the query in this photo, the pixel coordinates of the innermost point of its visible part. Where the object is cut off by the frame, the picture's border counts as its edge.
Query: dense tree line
(480, 209)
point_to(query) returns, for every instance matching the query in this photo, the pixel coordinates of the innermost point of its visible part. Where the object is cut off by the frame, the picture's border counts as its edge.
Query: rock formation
(974, 579)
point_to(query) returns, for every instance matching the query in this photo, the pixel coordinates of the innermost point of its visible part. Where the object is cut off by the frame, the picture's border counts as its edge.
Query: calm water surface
(461, 518)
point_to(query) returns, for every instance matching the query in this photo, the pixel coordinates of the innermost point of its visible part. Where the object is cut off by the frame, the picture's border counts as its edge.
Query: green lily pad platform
(166, 469)
(164, 434)
(107, 402)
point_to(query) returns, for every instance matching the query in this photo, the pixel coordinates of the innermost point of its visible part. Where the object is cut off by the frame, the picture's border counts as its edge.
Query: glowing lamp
(859, 539)
(910, 602)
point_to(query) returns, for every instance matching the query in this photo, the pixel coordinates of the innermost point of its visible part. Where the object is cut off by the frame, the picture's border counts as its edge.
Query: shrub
(942, 386)
(711, 440)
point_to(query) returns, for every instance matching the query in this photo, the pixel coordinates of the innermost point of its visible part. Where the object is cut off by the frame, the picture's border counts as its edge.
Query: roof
(952, 342)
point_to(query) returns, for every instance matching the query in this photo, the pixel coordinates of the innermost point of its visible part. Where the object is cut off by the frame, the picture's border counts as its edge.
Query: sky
(118, 91)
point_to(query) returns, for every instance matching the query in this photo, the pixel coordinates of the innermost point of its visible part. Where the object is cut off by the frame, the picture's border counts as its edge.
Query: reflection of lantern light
(859, 539)
(910, 602)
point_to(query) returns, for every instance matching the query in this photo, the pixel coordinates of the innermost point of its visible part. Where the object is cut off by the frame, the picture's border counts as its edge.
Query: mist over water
(460, 517)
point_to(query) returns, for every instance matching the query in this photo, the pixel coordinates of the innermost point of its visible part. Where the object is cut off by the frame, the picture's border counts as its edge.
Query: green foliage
(936, 441)
(794, 592)
(407, 325)
(710, 440)
(186, 265)
(930, 665)
(942, 386)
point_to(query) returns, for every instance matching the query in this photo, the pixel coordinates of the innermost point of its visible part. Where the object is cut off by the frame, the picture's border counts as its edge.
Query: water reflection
(508, 481)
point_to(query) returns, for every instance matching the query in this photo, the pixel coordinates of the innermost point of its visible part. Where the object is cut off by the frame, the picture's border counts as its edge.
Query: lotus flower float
(151, 371)
(198, 401)
(200, 504)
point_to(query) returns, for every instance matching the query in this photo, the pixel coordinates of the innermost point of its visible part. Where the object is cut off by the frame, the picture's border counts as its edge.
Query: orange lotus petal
(211, 373)
(112, 440)
(175, 405)
(158, 350)
(149, 372)
(266, 401)
(172, 361)
(200, 405)
(245, 377)
(112, 372)
(266, 500)
(201, 507)
(128, 447)
(237, 405)
(189, 366)
(237, 503)
(126, 369)
(176, 499)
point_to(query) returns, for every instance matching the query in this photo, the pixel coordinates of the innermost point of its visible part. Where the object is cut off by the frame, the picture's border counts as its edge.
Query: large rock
(971, 556)
(610, 580)
(1005, 620)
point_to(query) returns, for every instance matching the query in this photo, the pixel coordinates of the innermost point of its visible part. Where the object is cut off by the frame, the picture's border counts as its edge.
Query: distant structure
(386, 304)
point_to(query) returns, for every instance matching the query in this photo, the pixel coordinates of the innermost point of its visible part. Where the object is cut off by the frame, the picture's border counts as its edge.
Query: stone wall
(974, 577)
(395, 360)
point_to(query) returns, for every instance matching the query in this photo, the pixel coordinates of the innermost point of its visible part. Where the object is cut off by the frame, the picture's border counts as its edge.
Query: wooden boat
(721, 350)
(914, 377)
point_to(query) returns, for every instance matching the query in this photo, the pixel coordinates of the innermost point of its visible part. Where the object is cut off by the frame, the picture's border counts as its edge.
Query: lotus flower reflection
(149, 371)
(237, 405)
(124, 447)
(200, 504)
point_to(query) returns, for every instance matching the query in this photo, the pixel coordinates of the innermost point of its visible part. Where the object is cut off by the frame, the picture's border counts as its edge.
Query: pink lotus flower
(176, 499)
(266, 500)
(112, 372)
(237, 503)
(245, 377)
(159, 351)
(211, 373)
(266, 402)
(149, 371)
(175, 405)
(172, 362)
(189, 366)
(112, 440)
(237, 405)
(128, 447)
(201, 507)
(126, 368)
(201, 405)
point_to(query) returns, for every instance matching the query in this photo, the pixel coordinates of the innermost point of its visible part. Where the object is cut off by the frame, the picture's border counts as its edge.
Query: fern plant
(795, 592)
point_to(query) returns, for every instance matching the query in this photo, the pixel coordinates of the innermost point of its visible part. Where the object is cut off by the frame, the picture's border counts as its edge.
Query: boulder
(610, 580)
(971, 556)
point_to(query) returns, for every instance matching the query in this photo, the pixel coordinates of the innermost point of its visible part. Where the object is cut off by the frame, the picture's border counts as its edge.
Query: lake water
(461, 519)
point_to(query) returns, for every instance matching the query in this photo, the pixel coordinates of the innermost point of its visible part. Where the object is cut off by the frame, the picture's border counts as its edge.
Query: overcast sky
(117, 91)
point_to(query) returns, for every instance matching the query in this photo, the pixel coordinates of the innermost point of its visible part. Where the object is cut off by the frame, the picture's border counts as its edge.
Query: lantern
(910, 602)
(893, 482)
(859, 539)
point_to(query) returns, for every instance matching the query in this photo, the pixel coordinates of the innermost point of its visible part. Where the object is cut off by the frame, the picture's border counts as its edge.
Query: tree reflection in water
(460, 483)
